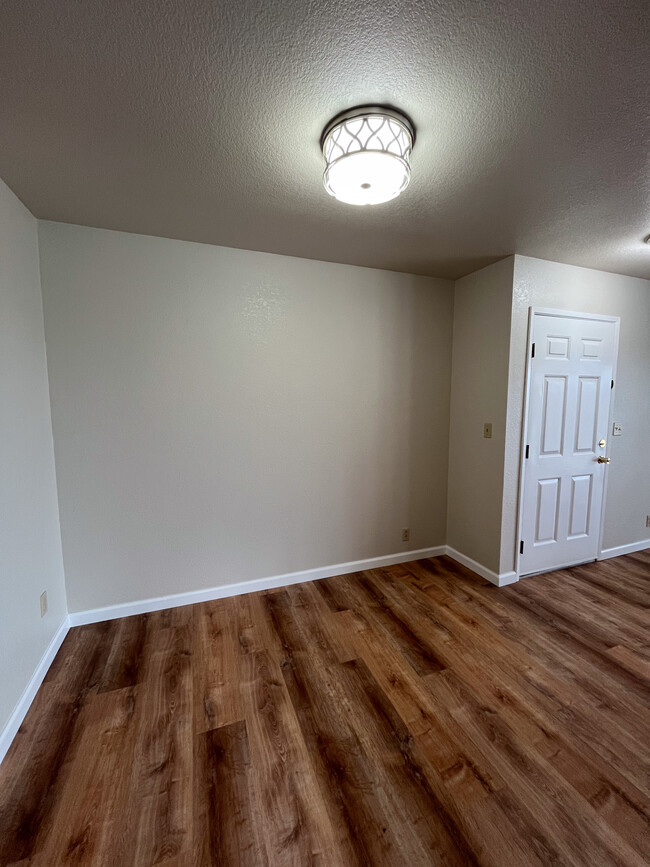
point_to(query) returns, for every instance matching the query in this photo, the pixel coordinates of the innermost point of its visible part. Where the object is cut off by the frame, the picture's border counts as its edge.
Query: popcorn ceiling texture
(201, 121)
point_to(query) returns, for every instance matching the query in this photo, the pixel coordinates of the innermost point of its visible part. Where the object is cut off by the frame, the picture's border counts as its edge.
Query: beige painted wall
(479, 390)
(566, 287)
(30, 542)
(222, 415)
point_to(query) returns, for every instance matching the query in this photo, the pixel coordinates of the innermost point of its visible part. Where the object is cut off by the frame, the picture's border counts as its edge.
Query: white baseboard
(624, 549)
(143, 606)
(501, 579)
(24, 702)
(111, 612)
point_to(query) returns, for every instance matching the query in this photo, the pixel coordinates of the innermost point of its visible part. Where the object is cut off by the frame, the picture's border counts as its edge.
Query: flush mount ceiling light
(367, 152)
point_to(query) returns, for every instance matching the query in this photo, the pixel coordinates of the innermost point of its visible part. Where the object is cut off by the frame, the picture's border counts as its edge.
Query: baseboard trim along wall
(111, 612)
(501, 579)
(175, 600)
(24, 702)
(607, 553)
(144, 606)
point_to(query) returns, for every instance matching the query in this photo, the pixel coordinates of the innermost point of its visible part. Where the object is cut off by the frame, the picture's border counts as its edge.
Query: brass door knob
(602, 460)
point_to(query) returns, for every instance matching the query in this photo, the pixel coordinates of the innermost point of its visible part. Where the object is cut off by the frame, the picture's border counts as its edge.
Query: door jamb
(563, 314)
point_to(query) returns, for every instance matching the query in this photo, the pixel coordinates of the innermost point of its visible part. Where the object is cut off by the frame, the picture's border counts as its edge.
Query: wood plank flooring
(413, 715)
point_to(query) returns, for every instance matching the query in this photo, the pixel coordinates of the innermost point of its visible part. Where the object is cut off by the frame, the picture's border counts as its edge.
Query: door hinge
(612, 385)
(527, 452)
(532, 354)
(521, 547)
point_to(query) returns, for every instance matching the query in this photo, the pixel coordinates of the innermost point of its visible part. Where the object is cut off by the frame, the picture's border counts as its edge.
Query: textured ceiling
(201, 120)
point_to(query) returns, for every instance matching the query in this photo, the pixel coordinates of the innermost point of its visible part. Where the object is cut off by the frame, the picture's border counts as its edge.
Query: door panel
(587, 413)
(557, 347)
(548, 501)
(581, 487)
(553, 415)
(591, 348)
(568, 411)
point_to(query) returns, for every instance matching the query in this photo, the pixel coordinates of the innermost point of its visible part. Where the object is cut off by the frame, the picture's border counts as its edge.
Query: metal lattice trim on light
(367, 155)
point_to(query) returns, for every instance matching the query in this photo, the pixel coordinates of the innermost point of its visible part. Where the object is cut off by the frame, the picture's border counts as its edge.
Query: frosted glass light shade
(367, 153)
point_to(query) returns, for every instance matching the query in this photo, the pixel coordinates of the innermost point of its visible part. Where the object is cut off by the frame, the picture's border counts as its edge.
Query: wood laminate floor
(411, 716)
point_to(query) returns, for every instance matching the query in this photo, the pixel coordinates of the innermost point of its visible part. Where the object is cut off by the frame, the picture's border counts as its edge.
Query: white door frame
(566, 314)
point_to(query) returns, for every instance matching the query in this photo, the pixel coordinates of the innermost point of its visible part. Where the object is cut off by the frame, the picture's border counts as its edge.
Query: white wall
(549, 284)
(479, 391)
(222, 415)
(30, 542)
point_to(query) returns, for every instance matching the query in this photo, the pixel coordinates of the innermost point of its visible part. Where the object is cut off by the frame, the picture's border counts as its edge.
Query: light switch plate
(487, 430)
(617, 429)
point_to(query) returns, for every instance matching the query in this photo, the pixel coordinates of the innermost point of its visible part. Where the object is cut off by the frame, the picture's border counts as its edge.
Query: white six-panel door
(565, 452)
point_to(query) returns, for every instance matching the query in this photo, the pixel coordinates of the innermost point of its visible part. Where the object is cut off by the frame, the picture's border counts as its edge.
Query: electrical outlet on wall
(406, 535)
(43, 603)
